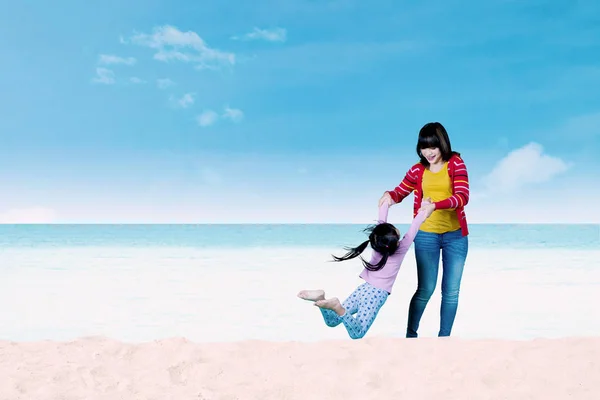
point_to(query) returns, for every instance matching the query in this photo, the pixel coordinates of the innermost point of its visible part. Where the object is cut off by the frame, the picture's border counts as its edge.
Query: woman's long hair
(383, 238)
(433, 134)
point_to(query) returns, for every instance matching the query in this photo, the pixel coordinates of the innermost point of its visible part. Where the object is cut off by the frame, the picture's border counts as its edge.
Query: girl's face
(432, 154)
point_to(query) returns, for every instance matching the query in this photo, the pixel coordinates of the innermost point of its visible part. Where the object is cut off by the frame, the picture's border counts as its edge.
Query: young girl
(379, 275)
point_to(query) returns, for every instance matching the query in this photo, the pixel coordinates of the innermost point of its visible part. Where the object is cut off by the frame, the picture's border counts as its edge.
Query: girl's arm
(383, 213)
(460, 184)
(409, 236)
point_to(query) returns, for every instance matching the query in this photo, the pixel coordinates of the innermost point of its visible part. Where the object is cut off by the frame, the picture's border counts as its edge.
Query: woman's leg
(371, 302)
(427, 254)
(350, 304)
(454, 254)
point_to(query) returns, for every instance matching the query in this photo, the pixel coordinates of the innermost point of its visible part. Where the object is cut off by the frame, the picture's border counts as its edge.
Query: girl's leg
(350, 304)
(372, 301)
(427, 254)
(454, 254)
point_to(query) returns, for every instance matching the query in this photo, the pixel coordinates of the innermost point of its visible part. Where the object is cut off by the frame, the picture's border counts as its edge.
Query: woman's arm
(406, 187)
(460, 185)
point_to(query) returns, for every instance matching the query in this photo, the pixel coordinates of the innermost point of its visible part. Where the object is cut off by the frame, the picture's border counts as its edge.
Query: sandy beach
(108, 323)
(375, 368)
(140, 295)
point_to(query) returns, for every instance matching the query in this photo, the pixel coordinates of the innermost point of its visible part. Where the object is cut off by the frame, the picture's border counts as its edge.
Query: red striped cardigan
(460, 189)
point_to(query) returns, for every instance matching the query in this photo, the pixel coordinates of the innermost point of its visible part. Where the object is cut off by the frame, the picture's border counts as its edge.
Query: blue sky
(293, 111)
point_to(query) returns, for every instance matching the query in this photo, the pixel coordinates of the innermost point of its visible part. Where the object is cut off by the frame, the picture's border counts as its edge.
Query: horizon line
(276, 223)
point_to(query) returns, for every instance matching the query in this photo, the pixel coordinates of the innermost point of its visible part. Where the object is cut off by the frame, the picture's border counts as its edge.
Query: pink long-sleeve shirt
(384, 278)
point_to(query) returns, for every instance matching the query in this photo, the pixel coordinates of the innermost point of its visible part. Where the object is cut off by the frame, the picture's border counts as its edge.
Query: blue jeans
(454, 248)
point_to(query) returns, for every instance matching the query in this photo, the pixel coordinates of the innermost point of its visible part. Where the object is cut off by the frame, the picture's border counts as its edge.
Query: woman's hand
(386, 199)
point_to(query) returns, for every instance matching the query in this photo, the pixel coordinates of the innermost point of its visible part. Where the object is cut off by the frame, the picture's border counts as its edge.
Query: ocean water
(497, 236)
(236, 282)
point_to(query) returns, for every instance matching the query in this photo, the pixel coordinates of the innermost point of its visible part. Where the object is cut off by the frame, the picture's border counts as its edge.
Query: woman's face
(432, 154)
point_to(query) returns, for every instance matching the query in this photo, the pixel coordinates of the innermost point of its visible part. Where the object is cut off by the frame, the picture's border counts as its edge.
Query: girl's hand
(425, 202)
(386, 199)
(428, 209)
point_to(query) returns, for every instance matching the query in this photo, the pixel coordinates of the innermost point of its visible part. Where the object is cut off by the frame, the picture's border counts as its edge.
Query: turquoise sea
(499, 236)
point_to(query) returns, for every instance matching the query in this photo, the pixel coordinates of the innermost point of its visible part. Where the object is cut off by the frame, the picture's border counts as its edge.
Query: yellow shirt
(439, 187)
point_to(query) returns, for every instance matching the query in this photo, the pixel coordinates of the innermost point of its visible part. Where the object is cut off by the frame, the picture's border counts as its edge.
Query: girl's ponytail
(353, 252)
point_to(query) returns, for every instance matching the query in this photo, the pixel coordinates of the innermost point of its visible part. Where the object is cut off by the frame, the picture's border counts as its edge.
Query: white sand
(138, 295)
(97, 368)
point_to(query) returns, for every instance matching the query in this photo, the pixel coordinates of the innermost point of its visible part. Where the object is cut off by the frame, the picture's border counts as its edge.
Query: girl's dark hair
(383, 239)
(431, 135)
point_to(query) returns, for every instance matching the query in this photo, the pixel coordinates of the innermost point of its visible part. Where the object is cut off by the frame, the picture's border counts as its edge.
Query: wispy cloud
(234, 114)
(109, 59)
(523, 167)
(184, 101)
(171, 44)
(136, 80)
(210, 117)
(104, 76)
(207, 118)
(107, 76)
(164, 83)
(270, 35)
(31, 215)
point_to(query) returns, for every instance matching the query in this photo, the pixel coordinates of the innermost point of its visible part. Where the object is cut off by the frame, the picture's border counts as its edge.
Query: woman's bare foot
(332, 304)
(312, 295)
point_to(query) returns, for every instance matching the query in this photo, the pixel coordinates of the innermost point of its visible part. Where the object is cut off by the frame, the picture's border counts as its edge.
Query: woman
(442, 176)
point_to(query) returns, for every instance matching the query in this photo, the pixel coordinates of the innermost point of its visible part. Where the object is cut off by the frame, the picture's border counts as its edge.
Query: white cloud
(172, 44)
(270, 35)
(164, 83)
(184, 101)
(233, 114)
(32, 215)
(524, 166)
(109, 59)
(136, 80)
(104, 76)
(207, 118)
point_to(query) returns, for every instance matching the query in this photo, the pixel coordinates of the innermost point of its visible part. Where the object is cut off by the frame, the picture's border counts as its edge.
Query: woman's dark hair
(431, 135)
(383, 239)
